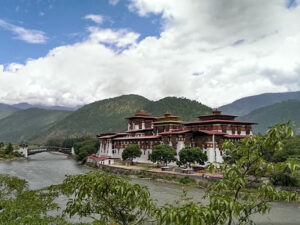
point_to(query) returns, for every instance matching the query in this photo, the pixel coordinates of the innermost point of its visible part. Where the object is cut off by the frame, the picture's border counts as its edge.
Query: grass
(181, 180)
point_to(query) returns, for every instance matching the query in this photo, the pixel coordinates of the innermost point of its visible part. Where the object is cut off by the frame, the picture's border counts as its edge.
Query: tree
(85, 147)
(9, 149)
(107, 199)
(163, 154)
(190, 155)
(19, 205)
(130, 152)
(229, 198)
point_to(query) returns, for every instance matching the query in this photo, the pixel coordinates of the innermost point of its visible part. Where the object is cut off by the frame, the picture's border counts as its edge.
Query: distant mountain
(22, 125)
(25, 105)
(273, 114)
(109, 115)
(6, 110)
(245, 105)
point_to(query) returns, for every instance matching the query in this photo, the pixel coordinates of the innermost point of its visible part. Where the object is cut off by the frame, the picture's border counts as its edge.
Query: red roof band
(98, 159)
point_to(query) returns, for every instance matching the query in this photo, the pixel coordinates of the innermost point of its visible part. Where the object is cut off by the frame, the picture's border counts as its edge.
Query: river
(45, 169)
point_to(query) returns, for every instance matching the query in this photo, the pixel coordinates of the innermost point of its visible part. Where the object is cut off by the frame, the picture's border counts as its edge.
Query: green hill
(108, 115)
(22, 125)
(276, 113)
(6, 110)
(245, 105)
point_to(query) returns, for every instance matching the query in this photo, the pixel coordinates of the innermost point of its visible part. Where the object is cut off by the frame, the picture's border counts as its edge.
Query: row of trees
(83, 146)
(7, 151)
(164, 154)
(109, 199)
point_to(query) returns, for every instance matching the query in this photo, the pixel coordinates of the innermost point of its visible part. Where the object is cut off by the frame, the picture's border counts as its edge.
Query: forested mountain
(108, 115)
(23, 125)
(39, 125)
(245, 105)
(6, 110)
(273, 114)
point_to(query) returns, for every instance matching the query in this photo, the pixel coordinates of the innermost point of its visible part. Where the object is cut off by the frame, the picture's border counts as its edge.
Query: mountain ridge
(106, 115)
(23, 124)
(245, 105)
(276, 113)
(6, 110)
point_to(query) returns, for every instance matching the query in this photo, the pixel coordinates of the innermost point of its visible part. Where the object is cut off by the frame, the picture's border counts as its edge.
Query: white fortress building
(208, 133)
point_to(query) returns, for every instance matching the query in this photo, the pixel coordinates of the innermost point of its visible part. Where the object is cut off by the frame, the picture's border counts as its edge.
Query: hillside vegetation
(23, 125)
(109, 115)
(245, 105)
(6, 110)
(273, 114)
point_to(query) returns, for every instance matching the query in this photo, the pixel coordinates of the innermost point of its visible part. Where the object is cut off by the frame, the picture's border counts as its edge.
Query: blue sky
(73, 52)
(62, 23)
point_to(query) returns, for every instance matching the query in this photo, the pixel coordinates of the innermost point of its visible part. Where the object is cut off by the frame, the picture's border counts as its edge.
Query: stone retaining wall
(130, 171)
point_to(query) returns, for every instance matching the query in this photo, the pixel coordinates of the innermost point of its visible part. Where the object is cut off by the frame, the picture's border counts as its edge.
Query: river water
(45, 169)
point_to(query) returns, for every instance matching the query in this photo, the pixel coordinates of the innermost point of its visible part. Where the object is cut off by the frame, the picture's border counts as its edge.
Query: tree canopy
(9, 149)
(190, 155)
(107, 199)
(19, 205)
(163, 154)
(130, 152)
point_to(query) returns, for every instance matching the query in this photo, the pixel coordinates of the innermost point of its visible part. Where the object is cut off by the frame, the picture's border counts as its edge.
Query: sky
(73, 52)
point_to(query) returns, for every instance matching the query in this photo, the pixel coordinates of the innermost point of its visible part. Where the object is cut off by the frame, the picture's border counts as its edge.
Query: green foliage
(290, 149)
(163, 154)
(130, 152)
(228, 198)
(18, 205)
(186, 180)
(107, 199)
(190, 155)
(85, 147)
(6, 151)
(9, 149)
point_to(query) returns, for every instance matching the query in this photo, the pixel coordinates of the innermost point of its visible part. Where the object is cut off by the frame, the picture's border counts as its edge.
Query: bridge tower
(72, 151)
(23, 150)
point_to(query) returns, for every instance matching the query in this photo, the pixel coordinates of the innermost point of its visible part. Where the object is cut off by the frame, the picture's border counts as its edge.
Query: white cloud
(196, 37)
(95, 18)
(119, 38)
(27, 35)
(113, 2)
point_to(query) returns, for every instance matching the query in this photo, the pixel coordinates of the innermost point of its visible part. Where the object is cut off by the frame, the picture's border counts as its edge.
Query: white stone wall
(145, 155)
(214, 155)
(117, 153)
(180, 145)
(106, 162)
(23, 151)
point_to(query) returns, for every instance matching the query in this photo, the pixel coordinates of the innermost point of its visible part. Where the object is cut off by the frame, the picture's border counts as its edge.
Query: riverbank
(12, 159)
(196, 179)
